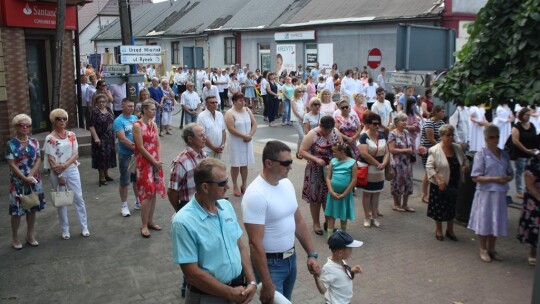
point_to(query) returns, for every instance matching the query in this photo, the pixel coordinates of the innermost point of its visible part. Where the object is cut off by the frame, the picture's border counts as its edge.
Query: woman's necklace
(61, 136)
(22, 141)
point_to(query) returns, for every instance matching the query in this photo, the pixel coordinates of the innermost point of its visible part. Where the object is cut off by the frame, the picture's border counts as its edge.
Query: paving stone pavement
(401, 261)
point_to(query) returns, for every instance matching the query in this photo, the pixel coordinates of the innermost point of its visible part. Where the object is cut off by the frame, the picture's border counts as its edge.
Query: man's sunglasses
(222, 183)
(284, 163)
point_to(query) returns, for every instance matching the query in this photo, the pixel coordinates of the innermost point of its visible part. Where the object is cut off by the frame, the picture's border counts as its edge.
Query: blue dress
(343, 208)
(24, 160)
(250, 91)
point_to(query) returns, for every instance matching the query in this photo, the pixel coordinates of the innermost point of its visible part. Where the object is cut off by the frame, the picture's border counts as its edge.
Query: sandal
(154, 227)
(532, 261)
(409, 209)
(318, 231)
(398, 208)
(425, 199)
(145, 233)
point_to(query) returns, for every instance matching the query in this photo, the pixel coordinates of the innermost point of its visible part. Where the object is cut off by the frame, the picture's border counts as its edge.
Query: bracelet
(252, 283)
(313, 255)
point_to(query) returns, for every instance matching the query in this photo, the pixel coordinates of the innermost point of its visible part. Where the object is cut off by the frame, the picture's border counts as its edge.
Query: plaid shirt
(182, 172)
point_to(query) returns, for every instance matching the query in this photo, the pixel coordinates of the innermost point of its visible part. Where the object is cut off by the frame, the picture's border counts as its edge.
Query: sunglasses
(316, 104)
(344, 107)
(284, 163)
(61, 119)
(348, 271)
(222, 183)
(24, 125)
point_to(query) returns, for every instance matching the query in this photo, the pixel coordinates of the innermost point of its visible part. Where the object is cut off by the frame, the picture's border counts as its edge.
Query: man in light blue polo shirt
(123, 125)
(206, 242)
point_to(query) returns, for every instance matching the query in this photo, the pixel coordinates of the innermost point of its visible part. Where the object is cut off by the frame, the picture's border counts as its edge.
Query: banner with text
(285, 58)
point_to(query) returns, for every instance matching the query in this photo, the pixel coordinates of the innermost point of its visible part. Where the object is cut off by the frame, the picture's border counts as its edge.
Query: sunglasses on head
(284, 163)
(61, 119)
(222, 183)
(348, 270)
(24, 125)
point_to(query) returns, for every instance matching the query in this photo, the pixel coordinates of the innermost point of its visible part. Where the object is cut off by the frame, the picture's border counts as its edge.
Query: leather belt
(238, 281)
(280, 255)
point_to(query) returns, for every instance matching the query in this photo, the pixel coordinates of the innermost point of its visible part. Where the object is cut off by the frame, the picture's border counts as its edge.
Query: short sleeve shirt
(213, 127)
(61, 149)
(182, 170)
(123, 123)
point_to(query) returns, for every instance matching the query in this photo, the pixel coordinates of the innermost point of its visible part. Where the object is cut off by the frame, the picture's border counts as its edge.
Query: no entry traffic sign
(374, 58)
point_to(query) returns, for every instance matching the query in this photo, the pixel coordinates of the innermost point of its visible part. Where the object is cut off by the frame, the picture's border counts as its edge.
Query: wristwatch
(252, 283)
(313, 255)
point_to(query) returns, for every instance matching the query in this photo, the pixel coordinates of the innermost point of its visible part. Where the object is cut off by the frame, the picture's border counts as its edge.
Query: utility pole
(59, 48)
(127, 39)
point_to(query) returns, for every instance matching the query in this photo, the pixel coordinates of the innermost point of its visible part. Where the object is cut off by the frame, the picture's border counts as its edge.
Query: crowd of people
(353, 133)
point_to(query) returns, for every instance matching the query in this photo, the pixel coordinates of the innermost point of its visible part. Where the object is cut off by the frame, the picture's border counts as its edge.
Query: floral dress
(168, 104)
(148, 182)
(402, 184)
(349, 127)
(104, 154)
(529, 221)
(25, 159)
(315, 189)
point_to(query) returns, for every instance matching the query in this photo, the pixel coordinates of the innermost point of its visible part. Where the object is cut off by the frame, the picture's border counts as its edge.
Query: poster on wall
(326, 55)
(285, 58)
(311, 55)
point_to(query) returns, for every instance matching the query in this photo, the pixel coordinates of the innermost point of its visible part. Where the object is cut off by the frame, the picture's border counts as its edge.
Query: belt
(238, 281)
(280, 255)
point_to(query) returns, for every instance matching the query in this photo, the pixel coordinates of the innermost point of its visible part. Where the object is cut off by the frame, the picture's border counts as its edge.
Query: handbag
(28, 201)
(62, 198)
(132, 166)
(361, 175)
(413, 156)
(389, 173)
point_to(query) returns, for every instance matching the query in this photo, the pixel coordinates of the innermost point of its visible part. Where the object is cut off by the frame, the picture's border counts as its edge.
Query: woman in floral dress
(400, 144)
(348, 125)
(317, 150)
(103, 139)
(24, 159)
(149, 165)
(530, 213)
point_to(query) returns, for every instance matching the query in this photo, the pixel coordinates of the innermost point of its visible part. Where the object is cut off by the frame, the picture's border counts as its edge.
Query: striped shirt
(430, 124)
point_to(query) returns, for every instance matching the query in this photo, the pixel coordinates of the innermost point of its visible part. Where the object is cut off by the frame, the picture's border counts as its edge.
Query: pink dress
(311, 91)
(147, 181)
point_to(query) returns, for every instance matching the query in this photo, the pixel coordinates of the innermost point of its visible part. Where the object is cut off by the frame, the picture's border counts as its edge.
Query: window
(230, 50)
(175, 54)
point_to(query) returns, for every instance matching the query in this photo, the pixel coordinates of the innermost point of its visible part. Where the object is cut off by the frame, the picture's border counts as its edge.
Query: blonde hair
(143, 91)
(21, 117)
(146, 104)
(313, 100)
(57, 113)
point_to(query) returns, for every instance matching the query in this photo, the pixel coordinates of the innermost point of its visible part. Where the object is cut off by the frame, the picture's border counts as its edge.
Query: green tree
(501, 58)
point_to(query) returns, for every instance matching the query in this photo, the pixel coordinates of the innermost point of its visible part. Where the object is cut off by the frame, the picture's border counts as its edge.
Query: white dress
(240, 153)
(476, 131)
(501, 121)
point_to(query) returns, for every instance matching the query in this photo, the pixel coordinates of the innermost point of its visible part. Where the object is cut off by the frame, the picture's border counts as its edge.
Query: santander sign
(35, 14)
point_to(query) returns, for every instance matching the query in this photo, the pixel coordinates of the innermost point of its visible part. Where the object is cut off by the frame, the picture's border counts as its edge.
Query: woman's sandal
(145, 233)
(154, 227)
(425, 199)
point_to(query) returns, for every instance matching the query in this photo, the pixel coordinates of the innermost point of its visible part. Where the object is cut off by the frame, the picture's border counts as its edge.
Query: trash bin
(465, 194)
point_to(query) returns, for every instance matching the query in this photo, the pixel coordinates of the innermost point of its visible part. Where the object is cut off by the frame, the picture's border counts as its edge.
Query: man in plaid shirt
(181, 184)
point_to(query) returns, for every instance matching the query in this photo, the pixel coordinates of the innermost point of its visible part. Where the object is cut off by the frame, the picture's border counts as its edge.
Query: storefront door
(37, 85)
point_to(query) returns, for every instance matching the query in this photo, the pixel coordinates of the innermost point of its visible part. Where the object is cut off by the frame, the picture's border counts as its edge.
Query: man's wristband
(313, 255)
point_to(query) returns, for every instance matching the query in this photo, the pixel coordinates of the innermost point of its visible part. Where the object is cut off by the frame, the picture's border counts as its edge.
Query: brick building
(27, 52)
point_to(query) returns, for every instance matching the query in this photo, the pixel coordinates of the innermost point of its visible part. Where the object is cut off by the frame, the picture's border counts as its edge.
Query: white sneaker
(137, 205)
(85, 232)
(376, 223)
(65, 235)
(125, 211)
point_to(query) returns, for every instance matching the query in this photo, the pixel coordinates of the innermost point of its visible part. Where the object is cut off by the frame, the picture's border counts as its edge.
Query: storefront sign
(17, 13)
(285, 58)
(140, 50)
(295, 36)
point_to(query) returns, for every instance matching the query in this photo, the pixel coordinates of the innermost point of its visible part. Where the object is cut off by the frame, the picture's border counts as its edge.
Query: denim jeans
(283, 274)
(286, 111)
(520, 169)
(189, 118)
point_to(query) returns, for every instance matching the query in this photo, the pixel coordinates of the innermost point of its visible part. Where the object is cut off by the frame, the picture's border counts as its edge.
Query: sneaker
(376, 223)
(137, 205)
(85, 232)
(65, 235)
(367, 223)
(125, 211)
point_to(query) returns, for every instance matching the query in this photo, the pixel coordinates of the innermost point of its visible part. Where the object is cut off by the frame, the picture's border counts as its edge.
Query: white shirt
(179, 78)
(460, 121)
(213, 127)
(380, 80)
(339, 287)
(222, 79)
(85, 101)
(299, 106)
(118, 92)
(370, 92)
(190, 100)
(263, 86)
(330, 83)
(384, 109)
(347, 88)
(213, 91)
(273, 207)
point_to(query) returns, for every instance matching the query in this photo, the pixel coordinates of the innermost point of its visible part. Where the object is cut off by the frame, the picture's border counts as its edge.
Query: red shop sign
(21, 13)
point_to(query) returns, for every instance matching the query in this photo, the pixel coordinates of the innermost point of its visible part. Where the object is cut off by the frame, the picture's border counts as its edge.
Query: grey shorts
(125, 176)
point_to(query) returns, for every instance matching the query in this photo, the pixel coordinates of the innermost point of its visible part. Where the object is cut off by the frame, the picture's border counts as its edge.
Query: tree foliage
(501, 59)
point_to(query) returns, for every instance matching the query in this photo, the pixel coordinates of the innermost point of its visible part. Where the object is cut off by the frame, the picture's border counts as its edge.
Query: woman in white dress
(476, 128)
(242, 126)
(504, 121)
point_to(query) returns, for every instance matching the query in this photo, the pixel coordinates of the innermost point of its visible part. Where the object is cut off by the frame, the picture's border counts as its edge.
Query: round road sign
(374, 58)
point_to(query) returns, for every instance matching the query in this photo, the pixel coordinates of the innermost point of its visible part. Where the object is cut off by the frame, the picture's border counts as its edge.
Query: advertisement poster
(311, 55)
(285, 58)
(326, 55)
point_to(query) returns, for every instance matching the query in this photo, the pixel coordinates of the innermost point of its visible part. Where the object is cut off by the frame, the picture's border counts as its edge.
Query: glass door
(37, 85)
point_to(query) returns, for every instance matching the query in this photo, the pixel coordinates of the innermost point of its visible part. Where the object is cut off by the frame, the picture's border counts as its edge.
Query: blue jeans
(520, 169)
(286, 111)
(189, 118)
(283, 274)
